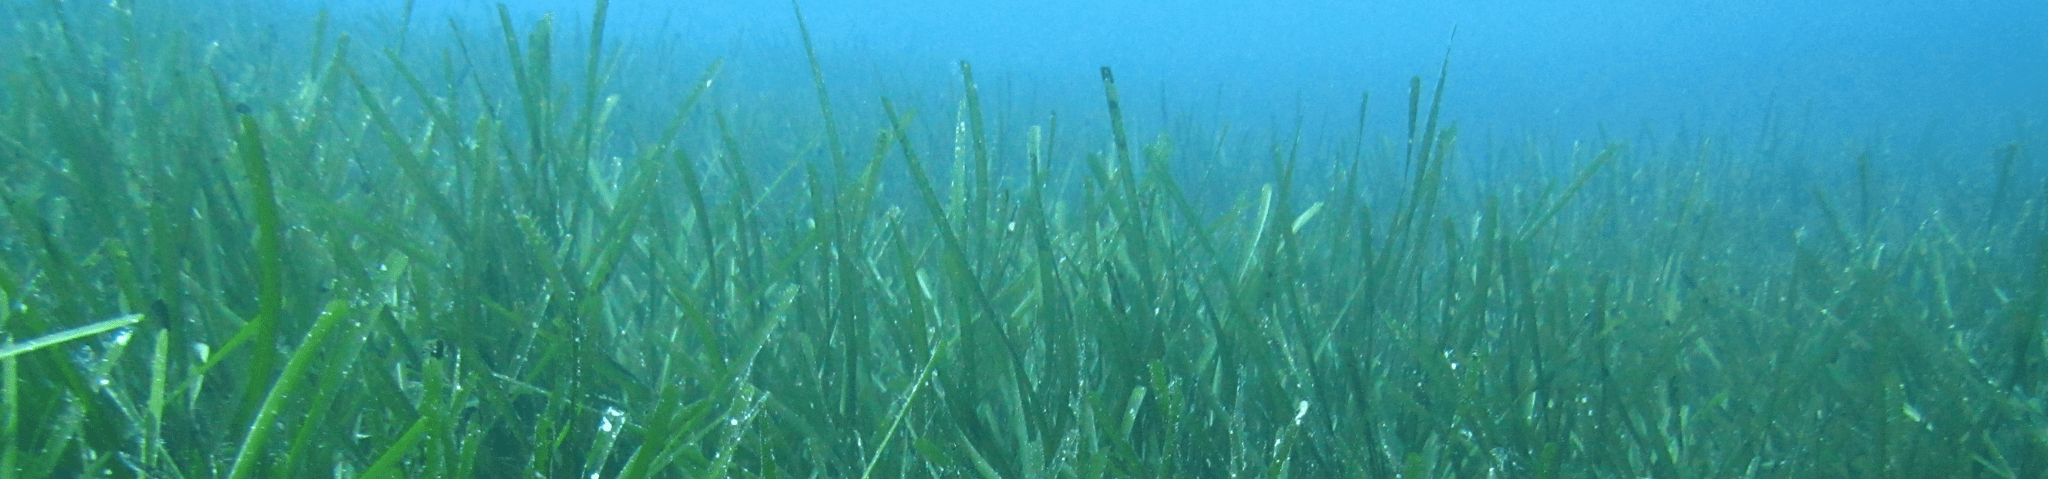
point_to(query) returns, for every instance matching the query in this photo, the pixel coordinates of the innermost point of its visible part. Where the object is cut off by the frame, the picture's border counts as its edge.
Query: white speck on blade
(609, 422)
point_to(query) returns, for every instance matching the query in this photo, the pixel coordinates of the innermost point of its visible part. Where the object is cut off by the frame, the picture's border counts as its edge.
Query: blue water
(1922, 84)
(1515, 64)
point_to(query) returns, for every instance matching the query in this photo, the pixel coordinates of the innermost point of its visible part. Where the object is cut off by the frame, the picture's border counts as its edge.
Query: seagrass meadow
(508, 247)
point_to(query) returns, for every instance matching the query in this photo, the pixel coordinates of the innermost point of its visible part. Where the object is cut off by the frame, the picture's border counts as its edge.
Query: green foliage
(436, 261)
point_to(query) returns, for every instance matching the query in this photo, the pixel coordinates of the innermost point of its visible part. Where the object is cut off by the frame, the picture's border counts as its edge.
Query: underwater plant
(454, 253)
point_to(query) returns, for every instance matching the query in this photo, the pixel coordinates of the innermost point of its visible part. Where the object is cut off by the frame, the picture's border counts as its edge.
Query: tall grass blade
(288, 381)
(11, 350)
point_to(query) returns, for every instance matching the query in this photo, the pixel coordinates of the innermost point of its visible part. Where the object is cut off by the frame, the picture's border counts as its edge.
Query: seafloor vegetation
(508, 248)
